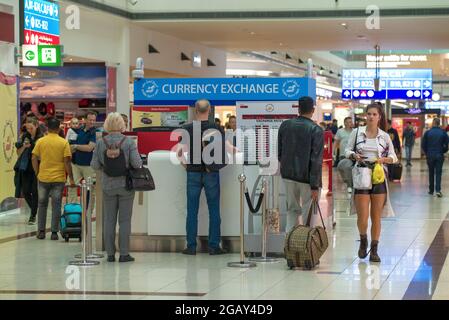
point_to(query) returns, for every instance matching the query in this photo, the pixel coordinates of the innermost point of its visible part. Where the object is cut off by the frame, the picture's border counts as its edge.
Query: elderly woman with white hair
(117, 200)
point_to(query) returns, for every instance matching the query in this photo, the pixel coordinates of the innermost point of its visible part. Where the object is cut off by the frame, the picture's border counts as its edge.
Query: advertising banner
(8, 134)
(220, 91)
(159, 116)
(111, 101)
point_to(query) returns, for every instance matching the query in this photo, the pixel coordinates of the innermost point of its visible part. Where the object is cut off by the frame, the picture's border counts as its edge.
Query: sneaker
(54, 236)
(189, 251)
(32, 221)
(111, 258)
(439, 195)
(41, 235)
(126, 258)
(430, 193)
(349, 190)
(217, 251)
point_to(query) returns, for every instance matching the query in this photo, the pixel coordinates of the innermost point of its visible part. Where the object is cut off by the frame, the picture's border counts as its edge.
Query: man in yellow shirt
(51, 160)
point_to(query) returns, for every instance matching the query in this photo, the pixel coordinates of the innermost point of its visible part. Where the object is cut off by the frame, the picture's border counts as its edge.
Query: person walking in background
(125, 119)
(344, 165)
(51, 160)
(434, 145)
(117, 200)
(394, 136)
(373, 145)
(82, 151)
(300, 154)
(231, 132)
(408, 139)
(25, 178)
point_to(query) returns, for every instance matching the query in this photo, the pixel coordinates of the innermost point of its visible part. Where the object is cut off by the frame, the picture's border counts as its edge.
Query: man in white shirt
(341, 140)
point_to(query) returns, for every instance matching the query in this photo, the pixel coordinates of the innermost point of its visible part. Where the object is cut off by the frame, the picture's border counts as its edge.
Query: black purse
(140, 180)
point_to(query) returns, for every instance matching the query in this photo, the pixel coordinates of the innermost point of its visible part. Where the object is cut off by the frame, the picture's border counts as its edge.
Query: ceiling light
(280, 43)
(252, 33)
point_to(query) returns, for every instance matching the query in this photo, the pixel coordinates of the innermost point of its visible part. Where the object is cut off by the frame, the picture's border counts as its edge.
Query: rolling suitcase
(70, 223)
(395, 171)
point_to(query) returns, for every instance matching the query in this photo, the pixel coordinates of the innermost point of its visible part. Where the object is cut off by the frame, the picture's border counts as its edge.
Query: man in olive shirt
(51, 160)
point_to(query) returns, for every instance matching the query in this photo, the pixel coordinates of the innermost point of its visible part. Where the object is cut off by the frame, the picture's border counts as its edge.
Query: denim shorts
(380, 188)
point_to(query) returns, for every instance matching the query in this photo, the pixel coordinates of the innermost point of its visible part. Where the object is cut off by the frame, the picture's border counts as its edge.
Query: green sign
(49, 56)
(41, 56)
(30, 55)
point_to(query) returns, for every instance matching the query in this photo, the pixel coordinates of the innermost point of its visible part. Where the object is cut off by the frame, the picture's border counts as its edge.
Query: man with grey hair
(435, 144)
(202, 173)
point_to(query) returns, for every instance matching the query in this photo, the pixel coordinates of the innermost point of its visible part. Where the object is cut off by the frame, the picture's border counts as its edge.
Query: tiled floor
(33, 267)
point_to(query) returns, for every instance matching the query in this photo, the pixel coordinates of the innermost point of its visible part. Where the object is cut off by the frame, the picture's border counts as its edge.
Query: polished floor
(413, 248)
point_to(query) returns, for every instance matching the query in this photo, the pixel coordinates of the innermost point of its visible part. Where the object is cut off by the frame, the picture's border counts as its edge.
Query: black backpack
(114, 160)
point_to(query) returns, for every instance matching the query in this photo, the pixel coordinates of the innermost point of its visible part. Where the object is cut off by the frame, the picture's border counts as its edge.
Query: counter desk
(159, 216)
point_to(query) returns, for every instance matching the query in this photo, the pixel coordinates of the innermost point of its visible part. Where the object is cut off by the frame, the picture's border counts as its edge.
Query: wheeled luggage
(395, 171)
(70, 223)
(305, 245)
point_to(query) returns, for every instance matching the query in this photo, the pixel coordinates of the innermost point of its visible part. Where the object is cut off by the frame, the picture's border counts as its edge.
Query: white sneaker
(349, 190)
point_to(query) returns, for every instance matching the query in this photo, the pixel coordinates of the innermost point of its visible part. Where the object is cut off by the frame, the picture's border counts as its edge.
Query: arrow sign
(346, 93)
(427, 83)
(30, 55)
(27, 21)
(347, 83)
(426, 93)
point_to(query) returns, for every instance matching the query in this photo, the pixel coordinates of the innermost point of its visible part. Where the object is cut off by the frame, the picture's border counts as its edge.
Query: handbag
(362, 177)
(140, 180)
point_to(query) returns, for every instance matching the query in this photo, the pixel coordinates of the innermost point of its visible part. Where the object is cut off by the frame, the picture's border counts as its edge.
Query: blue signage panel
(393, 84)
(442, 105)
(221, 91)
(42, 16)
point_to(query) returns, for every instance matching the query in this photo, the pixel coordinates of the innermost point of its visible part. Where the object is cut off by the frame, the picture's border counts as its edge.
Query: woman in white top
(371, 144)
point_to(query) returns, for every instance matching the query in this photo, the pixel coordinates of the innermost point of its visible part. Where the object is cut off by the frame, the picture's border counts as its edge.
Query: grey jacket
(132, 157)
(300, 151)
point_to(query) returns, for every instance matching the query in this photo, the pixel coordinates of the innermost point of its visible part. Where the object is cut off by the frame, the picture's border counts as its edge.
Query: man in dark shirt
(300, 153)
(394, 138)
(82, 151)
(408, 141)
(435, 145)
(203, 172)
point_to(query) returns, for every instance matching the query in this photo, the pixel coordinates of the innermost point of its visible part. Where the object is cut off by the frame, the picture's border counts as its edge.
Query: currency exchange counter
(159, 216)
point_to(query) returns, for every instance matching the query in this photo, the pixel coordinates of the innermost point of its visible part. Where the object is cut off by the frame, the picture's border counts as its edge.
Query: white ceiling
(420, 33)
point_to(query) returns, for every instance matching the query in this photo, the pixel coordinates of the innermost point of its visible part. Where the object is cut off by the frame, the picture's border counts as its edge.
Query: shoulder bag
(361, 174)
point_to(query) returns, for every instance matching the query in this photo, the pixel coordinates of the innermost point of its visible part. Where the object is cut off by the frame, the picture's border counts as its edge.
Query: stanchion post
(84, 231)
(89, 250)
(242, 263)
(263, 257)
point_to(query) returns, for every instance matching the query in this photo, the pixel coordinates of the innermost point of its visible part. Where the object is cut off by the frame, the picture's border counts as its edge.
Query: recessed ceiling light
(252, 33)
(280, 43)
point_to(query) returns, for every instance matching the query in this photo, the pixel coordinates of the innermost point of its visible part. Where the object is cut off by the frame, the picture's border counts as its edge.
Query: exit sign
(41, 56)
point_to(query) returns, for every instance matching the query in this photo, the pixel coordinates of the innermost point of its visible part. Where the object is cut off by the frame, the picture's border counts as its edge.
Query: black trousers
(29, 190)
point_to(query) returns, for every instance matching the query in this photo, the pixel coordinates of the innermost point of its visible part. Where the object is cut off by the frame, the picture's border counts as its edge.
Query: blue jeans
(408, 153)
(211, 183)
(435, 164)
